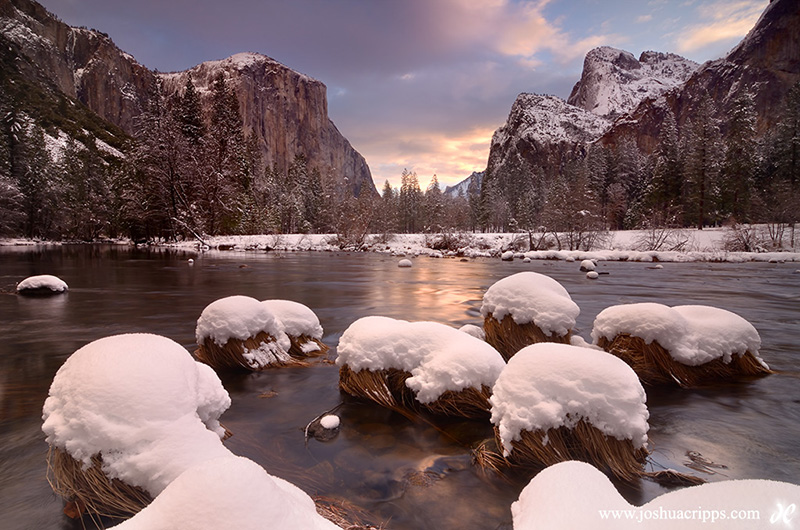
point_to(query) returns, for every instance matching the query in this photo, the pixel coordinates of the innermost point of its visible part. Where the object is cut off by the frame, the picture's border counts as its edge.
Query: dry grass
(344, 514)
(655, 366)
(584, 442)
(296, 350)
(508, 337)
(231, 355)
(89, 491)
(388, 388)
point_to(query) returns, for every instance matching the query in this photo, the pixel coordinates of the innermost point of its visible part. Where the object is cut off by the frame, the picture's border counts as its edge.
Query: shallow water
(409, 475)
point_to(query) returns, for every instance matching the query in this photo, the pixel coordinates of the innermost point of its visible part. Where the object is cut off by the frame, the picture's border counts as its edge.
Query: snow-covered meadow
(690, 245)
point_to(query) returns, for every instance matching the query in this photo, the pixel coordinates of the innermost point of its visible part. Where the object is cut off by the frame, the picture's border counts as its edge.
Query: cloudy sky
(417, 84)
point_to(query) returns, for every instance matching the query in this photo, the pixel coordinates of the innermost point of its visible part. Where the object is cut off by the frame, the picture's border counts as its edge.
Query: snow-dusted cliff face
(614, 82)
(287, 113)
(462, 189)
(541, 133)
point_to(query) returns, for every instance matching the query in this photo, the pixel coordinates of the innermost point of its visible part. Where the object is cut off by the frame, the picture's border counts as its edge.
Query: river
(407, 475)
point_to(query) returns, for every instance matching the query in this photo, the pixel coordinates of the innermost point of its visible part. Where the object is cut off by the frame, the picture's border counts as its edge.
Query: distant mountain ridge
(286, 110)
(621, 100)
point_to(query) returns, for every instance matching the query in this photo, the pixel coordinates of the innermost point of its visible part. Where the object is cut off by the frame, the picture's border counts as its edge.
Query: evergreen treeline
(706, 173)
(187, 174)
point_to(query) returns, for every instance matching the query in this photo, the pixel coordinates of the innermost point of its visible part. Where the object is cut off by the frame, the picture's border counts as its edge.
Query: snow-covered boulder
(241, 332)
(555, 402)
(686, 345)
(42, 284)
(138, 407)
(404, 263)
(302, 326)
(526, 308)
(576, 495)
(588, 265)
(229, 492)
(439, 367)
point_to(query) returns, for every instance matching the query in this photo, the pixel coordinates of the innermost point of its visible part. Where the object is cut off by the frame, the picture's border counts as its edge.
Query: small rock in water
(588, 265)
(592, 275)
(331, 421)
(404, 263)
(44, 284)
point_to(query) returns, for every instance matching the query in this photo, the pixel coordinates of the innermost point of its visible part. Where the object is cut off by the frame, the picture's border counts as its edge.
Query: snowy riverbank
(709, 245)
(696, 245)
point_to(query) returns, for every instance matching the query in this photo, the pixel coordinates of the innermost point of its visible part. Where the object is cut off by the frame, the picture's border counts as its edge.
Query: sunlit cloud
(720, 21)
(451, 158)
(644, 18)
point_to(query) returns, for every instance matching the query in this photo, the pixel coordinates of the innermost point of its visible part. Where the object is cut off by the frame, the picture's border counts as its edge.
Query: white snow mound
(439, 357)
(550, 385)
(692, 334)
(297, 318)
(577, 495)
(239, 317)
(142, 403)
(532, 297)
(229, 492)
(42, 281)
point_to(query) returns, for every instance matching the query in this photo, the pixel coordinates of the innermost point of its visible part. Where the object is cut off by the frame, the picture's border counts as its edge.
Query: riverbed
(407, 475)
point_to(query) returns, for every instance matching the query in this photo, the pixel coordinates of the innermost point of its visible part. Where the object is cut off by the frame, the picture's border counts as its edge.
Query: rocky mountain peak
(285, 111)
(614, 82)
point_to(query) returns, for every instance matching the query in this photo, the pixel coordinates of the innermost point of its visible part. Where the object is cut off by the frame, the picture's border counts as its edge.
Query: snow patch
(439, 357)
(532, 297)
(692, 334)
(548, 385)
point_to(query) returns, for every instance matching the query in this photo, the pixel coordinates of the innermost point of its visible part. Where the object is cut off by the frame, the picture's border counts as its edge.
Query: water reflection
(400, 471)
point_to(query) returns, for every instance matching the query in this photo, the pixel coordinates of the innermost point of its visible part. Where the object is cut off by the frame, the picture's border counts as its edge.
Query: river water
(406, 475)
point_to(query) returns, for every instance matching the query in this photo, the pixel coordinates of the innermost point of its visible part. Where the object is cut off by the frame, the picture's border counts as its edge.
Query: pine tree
(162, 195)
(663, 195)
(387, 222)
(433, 207)
(190, 113)
(740, 162)
(703, 159)
(409, 202)
(36, 181)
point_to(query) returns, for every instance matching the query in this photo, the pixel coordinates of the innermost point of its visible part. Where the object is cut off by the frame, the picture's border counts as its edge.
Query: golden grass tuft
(89, 491)
(655, 366)
(388, 388)
(508, 337)
(584, 442)
(231, 355)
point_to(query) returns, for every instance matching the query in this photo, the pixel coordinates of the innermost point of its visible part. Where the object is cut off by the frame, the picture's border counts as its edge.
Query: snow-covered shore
(708, 245)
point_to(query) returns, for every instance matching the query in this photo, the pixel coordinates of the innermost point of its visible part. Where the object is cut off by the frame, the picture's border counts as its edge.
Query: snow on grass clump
(142, 404)
(238, 317)
(43, 283)
(297, 319)
(438, 357)
(547, 386)
(407, 366)
(692, 334)
(302, 326)
(532, 297)
(576, 495)
(241, 332)
(526, 308)
(229, 492)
